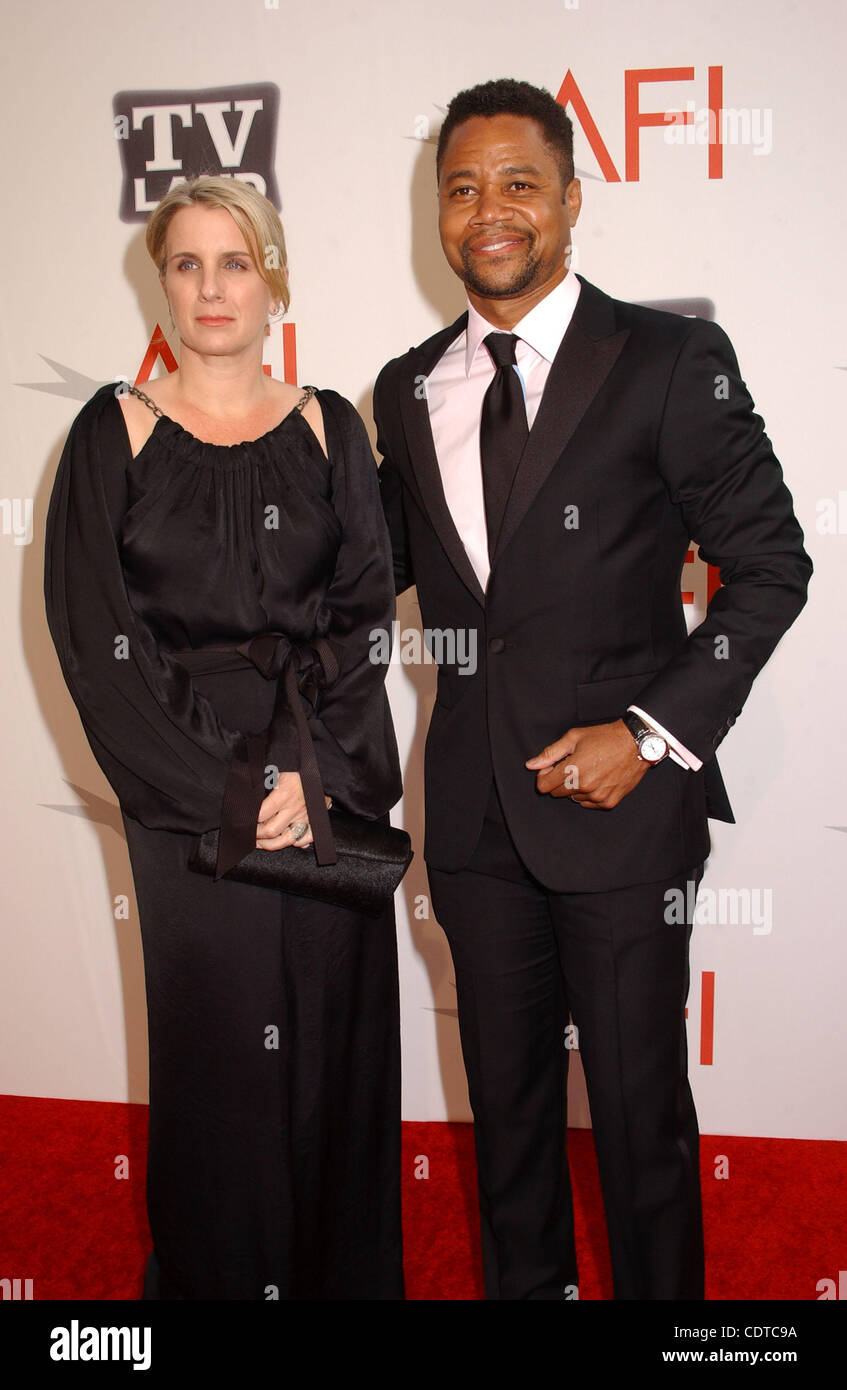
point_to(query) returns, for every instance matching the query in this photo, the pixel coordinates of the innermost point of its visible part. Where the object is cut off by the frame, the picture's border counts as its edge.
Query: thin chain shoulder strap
(308, 393)
(147, 401)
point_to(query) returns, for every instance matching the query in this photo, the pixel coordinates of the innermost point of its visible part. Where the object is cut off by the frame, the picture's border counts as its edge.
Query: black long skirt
(274, 1150)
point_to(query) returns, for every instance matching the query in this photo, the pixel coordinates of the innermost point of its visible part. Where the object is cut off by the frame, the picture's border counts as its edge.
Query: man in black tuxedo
(542, 487)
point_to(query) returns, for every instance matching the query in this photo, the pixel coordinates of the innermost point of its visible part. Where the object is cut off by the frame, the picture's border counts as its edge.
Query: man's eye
(519, 184)
(462, 190)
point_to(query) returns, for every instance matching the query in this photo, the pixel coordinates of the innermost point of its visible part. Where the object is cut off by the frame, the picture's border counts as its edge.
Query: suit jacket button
(496, 645)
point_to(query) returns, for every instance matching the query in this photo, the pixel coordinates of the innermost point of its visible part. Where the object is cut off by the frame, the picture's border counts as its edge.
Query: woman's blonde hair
(256, 218)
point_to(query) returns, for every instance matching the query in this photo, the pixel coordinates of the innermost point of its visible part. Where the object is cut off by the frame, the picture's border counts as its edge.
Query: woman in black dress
(215, 507)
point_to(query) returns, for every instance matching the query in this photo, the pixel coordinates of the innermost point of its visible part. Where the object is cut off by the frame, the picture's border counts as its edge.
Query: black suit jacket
(647, 428)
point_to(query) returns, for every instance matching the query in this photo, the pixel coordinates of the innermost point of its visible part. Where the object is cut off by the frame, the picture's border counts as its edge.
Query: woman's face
(218, 300)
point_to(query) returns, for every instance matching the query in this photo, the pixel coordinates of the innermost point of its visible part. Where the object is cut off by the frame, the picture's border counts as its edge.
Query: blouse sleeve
(159, 743)
(352, 728)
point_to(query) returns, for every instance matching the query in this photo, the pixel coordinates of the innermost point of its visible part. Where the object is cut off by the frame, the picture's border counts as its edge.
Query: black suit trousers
(526, 959)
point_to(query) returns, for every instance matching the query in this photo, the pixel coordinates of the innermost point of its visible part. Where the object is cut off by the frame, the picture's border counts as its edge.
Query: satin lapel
(415, 417)
(588, 352)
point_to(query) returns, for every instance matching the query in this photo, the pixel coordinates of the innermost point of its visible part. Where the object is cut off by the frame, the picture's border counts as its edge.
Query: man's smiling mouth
(492, 245)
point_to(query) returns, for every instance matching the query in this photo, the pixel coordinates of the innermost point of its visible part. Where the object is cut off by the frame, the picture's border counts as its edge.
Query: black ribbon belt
(300, 669)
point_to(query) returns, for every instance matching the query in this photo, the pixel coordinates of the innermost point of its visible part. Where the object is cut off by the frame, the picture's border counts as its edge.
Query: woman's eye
(232, 264)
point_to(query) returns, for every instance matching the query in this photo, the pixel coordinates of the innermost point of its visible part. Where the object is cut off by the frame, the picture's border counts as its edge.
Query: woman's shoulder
(348, 444)
(99, 412)
(96, 404)
(342, 413)
(335, 401)
(337, 423)
(141, 411)
(113, 423)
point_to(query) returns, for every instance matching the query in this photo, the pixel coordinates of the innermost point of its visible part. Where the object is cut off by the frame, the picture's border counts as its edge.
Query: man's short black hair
(508, 97)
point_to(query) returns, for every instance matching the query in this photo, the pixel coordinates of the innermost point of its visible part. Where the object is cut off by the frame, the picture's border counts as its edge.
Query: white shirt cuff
(676, 750)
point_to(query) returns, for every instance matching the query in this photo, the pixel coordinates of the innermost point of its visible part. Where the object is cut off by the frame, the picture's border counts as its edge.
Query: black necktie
(503, 432)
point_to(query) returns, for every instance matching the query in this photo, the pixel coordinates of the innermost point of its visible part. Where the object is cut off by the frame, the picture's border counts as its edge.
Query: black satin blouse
(196, 545)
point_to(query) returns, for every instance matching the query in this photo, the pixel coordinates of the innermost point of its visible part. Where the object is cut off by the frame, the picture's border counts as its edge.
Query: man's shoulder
(423, 357)
(651, 324)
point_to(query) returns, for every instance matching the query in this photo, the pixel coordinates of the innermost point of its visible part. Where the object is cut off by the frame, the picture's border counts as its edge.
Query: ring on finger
(298, 829)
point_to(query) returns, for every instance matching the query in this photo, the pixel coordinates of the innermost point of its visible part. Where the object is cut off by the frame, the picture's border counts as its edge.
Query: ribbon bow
(300, 669)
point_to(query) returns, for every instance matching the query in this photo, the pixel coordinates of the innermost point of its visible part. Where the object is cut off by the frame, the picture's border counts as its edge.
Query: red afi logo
(635, 119)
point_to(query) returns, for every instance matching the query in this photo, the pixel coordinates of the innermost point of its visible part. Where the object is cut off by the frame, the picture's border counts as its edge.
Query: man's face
(504, 218)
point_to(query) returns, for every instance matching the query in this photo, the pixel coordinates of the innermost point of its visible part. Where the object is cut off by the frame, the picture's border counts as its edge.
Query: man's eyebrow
(509, 171)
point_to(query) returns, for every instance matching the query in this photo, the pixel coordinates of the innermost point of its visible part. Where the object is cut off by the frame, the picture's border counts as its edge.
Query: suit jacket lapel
(587, 354)
(415, 416)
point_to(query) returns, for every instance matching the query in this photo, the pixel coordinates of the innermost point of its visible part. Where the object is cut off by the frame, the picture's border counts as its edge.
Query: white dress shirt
(455, 390)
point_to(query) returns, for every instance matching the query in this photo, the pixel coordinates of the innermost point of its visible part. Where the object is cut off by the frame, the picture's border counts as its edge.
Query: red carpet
(774, 1226)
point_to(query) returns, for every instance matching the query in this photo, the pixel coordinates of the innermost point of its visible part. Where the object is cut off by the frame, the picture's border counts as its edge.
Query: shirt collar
(543, 327)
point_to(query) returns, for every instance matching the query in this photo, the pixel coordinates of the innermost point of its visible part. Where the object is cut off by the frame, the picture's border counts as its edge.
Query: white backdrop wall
(361, 88)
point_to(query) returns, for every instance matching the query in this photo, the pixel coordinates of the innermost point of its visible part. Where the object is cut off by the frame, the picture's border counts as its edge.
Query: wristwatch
(652, 748)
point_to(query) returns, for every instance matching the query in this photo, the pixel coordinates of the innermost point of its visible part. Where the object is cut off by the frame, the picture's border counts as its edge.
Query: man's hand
(283, 807)
(596, 766)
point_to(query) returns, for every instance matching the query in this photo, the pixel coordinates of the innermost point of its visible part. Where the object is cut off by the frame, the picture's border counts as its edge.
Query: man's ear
(573, 198)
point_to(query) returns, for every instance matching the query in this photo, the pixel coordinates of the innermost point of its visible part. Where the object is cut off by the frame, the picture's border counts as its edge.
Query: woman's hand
(282, 809)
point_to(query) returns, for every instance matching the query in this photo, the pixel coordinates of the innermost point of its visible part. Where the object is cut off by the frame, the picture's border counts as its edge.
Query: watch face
(653, 748)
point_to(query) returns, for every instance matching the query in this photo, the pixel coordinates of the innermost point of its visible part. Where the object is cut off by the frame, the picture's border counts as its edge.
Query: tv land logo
(167, 136)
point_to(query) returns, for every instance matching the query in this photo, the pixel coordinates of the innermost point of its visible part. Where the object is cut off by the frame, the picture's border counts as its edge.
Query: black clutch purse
(354, 862)
(371, 859)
